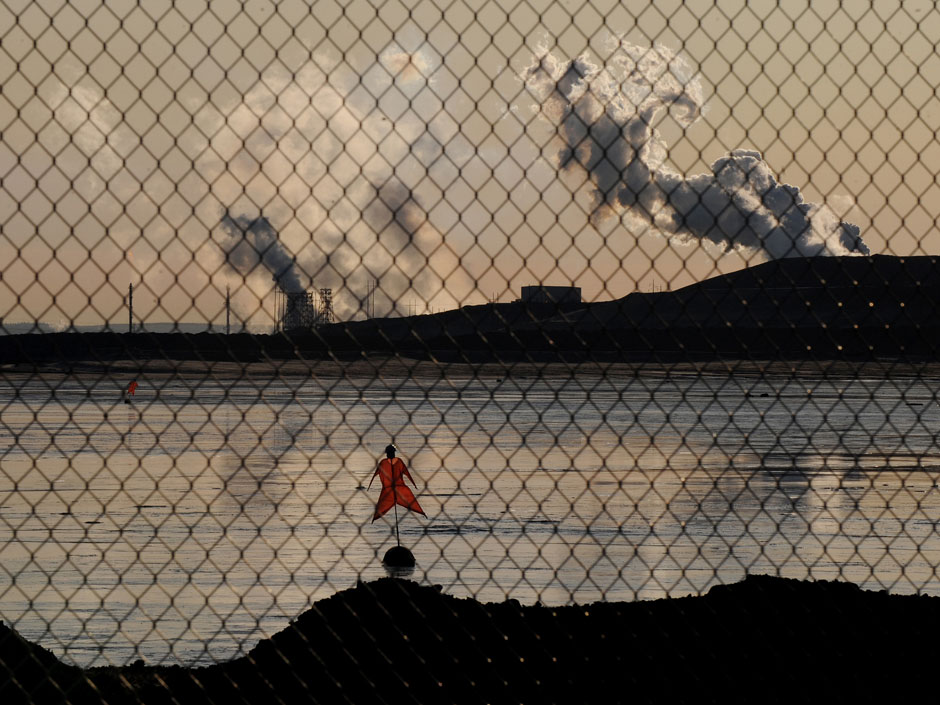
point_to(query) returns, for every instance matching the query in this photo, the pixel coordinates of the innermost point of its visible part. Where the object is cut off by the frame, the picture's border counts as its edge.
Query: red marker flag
(131, 388)
(393, 472)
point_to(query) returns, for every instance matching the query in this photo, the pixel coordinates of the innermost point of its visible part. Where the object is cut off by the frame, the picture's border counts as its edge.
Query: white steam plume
(348, 167)
(605, 116)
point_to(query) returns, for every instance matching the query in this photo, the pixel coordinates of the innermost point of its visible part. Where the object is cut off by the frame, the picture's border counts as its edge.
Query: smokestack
(299, 313)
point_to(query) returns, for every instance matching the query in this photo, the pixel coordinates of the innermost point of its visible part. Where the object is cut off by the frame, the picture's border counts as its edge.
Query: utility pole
(130, 308)
(370, 299)
(228, 311)
(277, 323)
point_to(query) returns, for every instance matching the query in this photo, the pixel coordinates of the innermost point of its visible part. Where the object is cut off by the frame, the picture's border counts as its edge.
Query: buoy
(399, 557)
(393, 472)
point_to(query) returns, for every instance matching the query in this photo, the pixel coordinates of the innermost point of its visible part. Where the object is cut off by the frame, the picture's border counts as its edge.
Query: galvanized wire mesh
(310, 230)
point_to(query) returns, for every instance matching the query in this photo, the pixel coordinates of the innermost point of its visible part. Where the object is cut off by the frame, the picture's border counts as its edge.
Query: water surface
(186, 526)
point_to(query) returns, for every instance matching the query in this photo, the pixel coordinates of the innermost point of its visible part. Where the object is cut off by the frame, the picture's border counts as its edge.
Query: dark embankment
(762, 640)
(852, 308)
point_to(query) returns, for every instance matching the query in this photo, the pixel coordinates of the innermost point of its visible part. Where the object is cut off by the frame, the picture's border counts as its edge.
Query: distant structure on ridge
(326, 306)
(299, 311)
(551, 294)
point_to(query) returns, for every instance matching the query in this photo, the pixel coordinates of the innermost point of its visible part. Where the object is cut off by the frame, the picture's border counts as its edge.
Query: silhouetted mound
(797, 293)
(763, 640)
(30, 673)
(828, 308)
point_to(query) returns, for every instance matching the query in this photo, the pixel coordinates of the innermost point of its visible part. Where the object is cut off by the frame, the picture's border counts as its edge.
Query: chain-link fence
(642, 294)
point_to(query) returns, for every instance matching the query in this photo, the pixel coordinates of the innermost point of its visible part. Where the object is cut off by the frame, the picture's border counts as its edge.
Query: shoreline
(397, 366)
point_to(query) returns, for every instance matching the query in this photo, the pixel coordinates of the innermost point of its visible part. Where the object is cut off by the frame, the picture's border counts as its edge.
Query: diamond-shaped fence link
(644, 295)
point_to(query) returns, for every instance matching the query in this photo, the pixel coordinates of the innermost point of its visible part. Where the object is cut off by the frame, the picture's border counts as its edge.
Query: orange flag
(392, 472)
(131, 388)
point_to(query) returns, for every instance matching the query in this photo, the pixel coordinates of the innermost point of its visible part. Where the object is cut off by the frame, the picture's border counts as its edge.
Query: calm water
(185, 527)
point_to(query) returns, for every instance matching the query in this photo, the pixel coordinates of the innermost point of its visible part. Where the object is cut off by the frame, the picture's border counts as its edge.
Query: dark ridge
(832, 308)
(838, 292)
(765, 639)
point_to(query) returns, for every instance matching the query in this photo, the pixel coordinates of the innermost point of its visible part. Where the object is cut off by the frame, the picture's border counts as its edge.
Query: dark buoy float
(399, 557)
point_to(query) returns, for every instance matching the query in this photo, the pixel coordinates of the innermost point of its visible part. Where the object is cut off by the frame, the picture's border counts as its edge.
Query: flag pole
(397, 536)
(395, 497)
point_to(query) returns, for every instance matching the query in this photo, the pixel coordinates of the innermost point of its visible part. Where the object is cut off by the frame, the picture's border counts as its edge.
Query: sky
(451, 152)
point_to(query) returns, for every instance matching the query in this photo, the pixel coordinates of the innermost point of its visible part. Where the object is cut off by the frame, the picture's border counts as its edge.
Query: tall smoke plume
(604, 116)
(253, 242)
(341, 222)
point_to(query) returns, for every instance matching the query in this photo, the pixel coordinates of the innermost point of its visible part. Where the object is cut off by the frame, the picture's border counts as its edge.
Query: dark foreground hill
(762, 640)
(818, 308)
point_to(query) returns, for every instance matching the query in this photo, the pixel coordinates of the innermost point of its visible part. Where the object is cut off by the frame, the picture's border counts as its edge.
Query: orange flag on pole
(392, 472)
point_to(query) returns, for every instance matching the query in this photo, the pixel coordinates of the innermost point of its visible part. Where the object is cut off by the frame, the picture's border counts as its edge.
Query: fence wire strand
(644, 295)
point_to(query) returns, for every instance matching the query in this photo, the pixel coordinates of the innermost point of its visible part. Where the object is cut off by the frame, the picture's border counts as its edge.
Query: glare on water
(187, 525)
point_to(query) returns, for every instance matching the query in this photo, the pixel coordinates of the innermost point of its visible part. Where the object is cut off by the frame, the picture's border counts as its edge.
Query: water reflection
(211, 516)
(402, 572)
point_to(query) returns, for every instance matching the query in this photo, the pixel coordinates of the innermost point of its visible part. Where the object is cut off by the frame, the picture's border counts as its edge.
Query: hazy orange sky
(400, 141)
